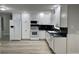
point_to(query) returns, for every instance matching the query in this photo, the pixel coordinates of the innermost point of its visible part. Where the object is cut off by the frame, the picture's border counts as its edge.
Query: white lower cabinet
(60, 45)
(52, 43)
(57, 44)
(48, 38)
(41, 34)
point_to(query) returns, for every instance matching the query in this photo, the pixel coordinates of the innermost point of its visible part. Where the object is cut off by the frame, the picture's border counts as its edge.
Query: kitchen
(49, 23)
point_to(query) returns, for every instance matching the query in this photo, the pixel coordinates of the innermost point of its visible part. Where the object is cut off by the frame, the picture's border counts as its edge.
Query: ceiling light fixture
(41, 14)
(3, 8)
(54, 6)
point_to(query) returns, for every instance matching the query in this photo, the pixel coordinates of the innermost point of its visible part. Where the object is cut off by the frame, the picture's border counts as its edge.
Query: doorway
(4, 26)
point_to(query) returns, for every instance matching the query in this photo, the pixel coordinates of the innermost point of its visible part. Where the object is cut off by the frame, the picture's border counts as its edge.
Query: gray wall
(6, 18)
(0, 26)
(6, 25)
(73, 19)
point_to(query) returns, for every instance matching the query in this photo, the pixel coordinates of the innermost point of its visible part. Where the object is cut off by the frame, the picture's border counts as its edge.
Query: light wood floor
(24, 47)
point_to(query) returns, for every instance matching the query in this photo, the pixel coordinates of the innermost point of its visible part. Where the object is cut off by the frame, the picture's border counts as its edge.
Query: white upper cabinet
(59, 16)
(55, 16)
(63, 21)
(44, 18)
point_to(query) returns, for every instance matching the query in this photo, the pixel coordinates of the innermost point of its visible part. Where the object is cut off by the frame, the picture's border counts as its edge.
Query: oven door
(34, 33)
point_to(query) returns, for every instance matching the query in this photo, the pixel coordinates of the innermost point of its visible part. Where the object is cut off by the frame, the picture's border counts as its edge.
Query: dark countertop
(57, 34)
(62, 32)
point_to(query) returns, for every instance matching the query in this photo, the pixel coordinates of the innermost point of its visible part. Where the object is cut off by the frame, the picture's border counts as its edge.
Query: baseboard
(42, 39)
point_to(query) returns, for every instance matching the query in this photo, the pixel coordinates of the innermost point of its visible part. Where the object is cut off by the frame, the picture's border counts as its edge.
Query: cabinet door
(63, 20)
(48, 38)
(42, 34)
(12, 30)
(52, 43)
(60, 45)
(45, 19)
(25, 26)
(17, 25)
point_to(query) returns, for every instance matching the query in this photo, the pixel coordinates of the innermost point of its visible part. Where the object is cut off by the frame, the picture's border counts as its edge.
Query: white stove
(34, 31)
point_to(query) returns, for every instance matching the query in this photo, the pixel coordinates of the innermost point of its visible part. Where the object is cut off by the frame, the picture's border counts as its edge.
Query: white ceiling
(29, 7)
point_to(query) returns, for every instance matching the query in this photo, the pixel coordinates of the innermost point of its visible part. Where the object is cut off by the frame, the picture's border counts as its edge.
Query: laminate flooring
(24, 47)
